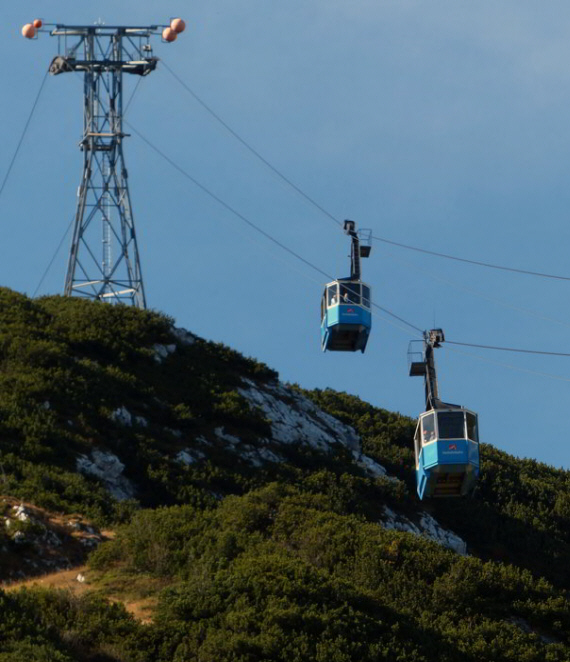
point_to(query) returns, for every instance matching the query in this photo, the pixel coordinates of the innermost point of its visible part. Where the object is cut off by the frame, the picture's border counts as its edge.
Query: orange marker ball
(38, 23)
(178, 25)
(168, 34)
(29, 31)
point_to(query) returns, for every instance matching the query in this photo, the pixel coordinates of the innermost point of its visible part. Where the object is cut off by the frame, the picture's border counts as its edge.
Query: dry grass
(137, 594)
(55, 541)
(64, 579)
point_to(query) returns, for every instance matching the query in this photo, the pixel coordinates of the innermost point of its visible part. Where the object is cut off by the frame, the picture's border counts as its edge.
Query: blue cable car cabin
(346, 319)
(446, 446)
(446, 441)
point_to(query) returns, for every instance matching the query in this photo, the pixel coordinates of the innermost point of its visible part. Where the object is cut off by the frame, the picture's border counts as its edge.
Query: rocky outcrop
(296, 420)
(41, 542)
(109, 469)
(427, 527)
(293, 420)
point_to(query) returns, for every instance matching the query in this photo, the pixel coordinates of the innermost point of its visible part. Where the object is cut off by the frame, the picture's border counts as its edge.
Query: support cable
(249, 147)
(26, 126)
(224, 204)
(307, 262)
(507, 365)
(139, 81)
(506, 349)
(320, 208)
(476, 293)
(475, 262)
(385, 310)
(54, 256)
(251, 223)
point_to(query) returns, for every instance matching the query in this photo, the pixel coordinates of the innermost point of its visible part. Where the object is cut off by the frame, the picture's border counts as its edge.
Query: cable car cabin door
(346, 319)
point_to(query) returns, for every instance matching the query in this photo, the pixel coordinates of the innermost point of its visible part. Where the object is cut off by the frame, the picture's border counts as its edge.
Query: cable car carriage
(346, 318)
(446, 441)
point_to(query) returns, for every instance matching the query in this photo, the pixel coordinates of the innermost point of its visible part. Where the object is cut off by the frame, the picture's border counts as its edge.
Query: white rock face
(107, 467)
(189, 456)
(432, 529)
(398, 522)
(250, 455)
(183, 336)
(184, 457)
(162, 351)
(258, 456)
(525, 627)
(268, 455)
(230, 438)
(122, 416)
(21, 513)
(51, 539)
(296, 420)
(428, 527)
(369, 465)
(255, 456)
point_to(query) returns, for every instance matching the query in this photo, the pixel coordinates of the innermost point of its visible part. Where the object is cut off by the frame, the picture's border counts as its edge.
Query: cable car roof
(346, 281)
(446, 409)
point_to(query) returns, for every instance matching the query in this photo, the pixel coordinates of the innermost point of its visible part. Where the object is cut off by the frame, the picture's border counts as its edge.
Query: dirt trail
(67, 580)
(72, 532)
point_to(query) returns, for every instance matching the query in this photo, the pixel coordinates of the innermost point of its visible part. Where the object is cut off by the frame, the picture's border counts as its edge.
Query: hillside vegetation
(282, 561)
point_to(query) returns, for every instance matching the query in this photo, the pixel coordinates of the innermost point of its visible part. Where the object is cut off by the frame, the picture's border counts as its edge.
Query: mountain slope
(265, 522)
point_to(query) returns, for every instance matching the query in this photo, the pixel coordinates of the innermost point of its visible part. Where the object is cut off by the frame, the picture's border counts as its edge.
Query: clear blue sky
(440, 124)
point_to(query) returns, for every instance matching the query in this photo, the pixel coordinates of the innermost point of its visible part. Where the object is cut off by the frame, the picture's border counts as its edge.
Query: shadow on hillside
(496, 536)
(428, 642)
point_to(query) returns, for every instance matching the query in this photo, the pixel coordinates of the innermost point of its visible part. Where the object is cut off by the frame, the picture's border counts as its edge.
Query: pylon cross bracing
(104, 261)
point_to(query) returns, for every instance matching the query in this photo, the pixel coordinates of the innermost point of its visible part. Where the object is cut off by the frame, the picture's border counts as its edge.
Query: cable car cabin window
(472, 427)
(332, 293)
(428, 428)
(451, 425)
(350, 293)
(366, 296)
(323, 306)
(417, 444)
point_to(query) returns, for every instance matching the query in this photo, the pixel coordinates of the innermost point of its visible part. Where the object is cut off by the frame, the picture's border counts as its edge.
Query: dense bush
(281, 562)
(49, 626)
(282, 574)
(66, 364)
(520, 511)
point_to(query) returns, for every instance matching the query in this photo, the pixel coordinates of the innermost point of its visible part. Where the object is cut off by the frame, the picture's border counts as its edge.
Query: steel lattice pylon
(104, 261)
